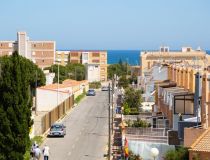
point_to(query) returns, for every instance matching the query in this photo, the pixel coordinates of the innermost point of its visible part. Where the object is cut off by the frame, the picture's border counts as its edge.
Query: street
(87, 131)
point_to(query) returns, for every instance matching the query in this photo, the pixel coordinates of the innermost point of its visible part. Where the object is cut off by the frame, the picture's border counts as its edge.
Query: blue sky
(109, 24)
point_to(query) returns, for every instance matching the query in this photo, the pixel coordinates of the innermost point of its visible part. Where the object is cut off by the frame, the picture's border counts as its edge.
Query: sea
(132, 57)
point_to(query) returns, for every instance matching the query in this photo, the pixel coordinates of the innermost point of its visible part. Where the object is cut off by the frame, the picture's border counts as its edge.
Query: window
(96, 54)
(95, 61)
(34, 45)
(184, 104)
(74, 54)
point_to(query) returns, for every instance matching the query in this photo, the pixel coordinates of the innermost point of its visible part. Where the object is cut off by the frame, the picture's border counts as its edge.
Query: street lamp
(154, 152)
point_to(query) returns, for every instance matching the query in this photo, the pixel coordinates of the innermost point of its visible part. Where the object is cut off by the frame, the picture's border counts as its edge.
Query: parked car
(104, 88)
(91, 92)
(57, 129)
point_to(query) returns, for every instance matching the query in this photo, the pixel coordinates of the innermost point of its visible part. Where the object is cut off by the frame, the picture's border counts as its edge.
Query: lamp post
(36, 94)
(58, 85)
(109, 126)
(154, 152)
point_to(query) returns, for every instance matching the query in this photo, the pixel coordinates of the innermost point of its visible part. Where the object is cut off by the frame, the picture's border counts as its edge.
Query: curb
(44, 135)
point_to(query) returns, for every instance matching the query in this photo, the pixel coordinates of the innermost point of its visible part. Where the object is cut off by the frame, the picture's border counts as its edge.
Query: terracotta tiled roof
(67, 83)
(202, 143)
(55, 86)
(73, 82)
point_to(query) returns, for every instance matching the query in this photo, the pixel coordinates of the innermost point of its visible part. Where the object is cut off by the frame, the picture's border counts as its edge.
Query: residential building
(52, 95)
(62, 57)
(187, 56)
(94, 61)
(41, 53)
(197, 138)
(190, 99)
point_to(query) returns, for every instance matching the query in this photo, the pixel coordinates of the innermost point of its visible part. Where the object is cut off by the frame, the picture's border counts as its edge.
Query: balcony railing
(156, 135)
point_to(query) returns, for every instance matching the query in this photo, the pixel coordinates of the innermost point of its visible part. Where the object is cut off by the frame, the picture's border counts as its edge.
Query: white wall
(49, 78)
(93, 72)
(160, 73)
(48, 100)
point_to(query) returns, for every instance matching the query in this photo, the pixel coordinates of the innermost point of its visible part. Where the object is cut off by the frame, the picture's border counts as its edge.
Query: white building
(92, 72)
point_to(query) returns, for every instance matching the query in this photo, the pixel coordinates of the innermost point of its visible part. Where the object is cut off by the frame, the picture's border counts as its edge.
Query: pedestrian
(37, 153)
(46, 152)
(33, 147)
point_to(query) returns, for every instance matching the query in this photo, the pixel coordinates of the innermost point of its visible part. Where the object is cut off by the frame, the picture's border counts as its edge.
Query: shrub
(80, 97)
(95, 85)
(138, 123)
(127, 109)
(180, 153)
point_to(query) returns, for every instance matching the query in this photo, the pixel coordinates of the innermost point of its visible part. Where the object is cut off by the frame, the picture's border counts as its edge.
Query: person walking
(46, 152)
(33, 147)
(37, 153)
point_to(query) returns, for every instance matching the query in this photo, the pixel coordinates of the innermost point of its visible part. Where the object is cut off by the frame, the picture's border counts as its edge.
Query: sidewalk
(117, 135)
(117, 138)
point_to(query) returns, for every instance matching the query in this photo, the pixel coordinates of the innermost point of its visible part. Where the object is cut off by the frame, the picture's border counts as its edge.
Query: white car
(57, 130)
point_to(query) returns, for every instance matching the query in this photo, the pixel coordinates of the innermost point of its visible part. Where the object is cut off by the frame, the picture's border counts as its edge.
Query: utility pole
(112, 105)
(58, 86)
(75, 73)
(36, 94)
(109, 127)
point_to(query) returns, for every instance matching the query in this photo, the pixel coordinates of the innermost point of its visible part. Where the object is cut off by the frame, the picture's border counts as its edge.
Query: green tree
(16, 81)
(76, 71)
(72, 71)
(62, 72)
(123, 82)
(119, 69)
(133, 98)
(132, 79)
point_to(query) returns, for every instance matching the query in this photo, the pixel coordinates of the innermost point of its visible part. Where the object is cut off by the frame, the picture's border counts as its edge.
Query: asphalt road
(87, 131)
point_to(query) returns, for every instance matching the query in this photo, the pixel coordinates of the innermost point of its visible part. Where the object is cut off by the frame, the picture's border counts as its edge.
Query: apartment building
(94, 61)
(187, 56)
(41, 53)
(62, 57)
(96, 65)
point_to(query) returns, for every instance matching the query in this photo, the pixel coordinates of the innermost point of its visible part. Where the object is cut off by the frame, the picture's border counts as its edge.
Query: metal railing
(146, 131)
(155, 135)
(140, 116)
